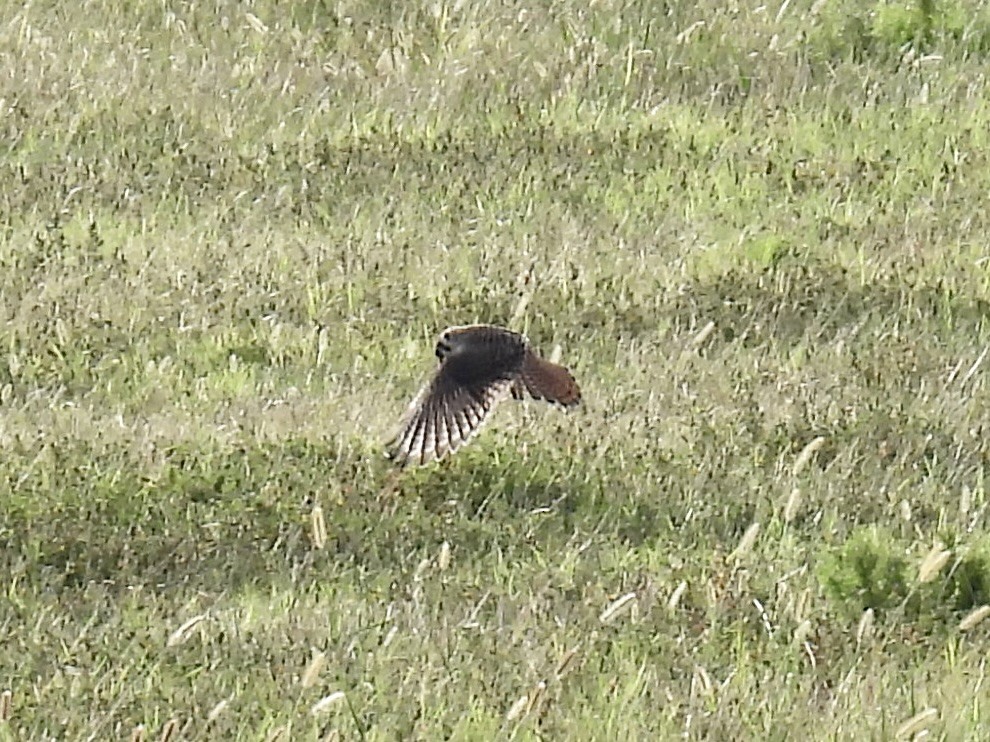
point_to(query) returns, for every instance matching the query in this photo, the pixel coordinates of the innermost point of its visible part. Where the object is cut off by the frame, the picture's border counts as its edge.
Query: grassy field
(229, 233)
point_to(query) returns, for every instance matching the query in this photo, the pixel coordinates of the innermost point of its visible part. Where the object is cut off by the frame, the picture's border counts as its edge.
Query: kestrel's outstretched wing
(480, 365)
(444, 416)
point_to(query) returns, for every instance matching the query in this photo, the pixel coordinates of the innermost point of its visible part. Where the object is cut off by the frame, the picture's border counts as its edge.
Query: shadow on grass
(219, 519)
(796, 300)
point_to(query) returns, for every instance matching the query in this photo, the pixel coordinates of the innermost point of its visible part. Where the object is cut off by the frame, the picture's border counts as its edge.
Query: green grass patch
(228, 237)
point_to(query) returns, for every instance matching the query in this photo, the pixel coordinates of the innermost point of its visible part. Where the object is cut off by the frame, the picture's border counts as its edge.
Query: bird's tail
(546, 380)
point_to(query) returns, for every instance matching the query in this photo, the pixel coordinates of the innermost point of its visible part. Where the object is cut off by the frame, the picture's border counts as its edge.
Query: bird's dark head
(451, 340)
(443, 348)
(446, 344)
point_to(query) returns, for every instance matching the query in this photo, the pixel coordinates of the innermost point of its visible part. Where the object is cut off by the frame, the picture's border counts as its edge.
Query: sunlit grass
(228, 237)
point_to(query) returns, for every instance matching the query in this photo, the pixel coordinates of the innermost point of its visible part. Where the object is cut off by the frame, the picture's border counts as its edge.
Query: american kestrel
(480, 365)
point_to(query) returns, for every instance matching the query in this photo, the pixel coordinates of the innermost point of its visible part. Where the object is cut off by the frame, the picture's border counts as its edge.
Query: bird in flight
(480, 365)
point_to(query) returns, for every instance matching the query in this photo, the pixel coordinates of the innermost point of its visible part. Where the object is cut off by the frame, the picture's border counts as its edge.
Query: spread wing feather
(444, 416)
